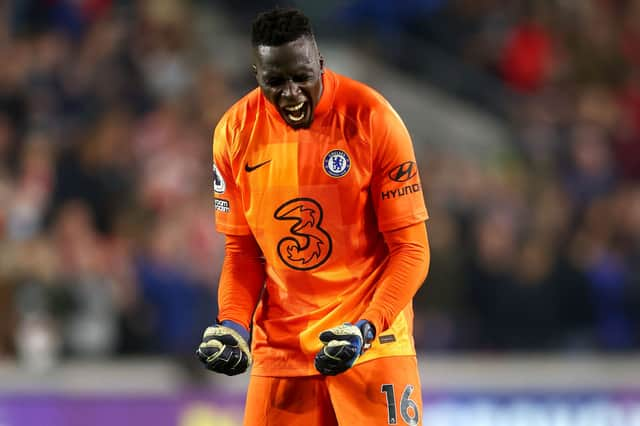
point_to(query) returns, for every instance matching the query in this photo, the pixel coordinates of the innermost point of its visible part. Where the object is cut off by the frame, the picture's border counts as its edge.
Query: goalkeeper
(318, 194)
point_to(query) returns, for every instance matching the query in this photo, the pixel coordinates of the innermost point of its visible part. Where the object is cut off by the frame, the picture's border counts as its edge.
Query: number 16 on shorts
(408, 407)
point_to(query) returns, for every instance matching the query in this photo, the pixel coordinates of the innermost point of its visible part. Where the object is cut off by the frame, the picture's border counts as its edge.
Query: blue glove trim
(243, 332)
(372, 329)
(368, 334)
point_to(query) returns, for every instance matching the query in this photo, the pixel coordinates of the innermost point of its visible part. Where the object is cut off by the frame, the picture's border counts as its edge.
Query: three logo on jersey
(308, 245)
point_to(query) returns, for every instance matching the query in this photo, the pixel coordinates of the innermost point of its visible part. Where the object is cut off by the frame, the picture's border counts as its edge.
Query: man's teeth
(295, 107)
(292, 110)
(296, 117)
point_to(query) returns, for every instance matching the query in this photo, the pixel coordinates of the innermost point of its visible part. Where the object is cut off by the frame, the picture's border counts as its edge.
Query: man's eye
(302, 78)
(274, 81)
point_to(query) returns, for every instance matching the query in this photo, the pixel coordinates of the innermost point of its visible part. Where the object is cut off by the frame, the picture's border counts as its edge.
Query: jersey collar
(328, 93)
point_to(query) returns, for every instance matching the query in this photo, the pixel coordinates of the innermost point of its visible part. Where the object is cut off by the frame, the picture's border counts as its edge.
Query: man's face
(290, 77)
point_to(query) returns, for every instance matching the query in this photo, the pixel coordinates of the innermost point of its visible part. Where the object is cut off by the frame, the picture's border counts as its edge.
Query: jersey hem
(306, 372)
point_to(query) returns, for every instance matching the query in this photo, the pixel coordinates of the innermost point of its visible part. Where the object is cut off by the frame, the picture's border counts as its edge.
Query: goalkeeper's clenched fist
(342, 346)
(224, 349)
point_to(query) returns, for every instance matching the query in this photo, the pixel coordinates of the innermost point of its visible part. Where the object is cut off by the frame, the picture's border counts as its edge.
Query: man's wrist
(375, 319)
(368, 331)
(372, 326)
(238, 328)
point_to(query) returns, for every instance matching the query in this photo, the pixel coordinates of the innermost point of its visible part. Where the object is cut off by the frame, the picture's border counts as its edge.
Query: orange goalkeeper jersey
(317, 201)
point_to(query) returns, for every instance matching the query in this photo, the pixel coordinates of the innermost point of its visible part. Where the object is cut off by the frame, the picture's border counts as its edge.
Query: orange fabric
(241, 279)
(409, 259)
(360, 396)
(317, 201)
(276, 401)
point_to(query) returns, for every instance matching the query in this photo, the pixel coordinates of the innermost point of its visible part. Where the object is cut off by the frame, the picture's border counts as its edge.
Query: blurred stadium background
(526, 120)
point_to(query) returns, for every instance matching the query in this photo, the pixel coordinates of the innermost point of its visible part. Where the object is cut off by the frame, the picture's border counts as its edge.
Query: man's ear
(254, 69)
(321, 63)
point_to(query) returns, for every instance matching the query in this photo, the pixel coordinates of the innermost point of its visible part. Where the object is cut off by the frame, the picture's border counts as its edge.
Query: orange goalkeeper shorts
(383, 391)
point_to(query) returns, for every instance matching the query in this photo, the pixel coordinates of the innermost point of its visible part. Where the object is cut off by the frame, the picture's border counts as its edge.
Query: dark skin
(290, 76)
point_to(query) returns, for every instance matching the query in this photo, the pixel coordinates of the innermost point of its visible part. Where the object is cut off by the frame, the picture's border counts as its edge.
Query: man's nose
(290, 89)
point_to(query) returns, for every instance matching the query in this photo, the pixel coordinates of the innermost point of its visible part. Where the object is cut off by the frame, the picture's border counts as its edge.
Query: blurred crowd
(538, 247)
(106, 228)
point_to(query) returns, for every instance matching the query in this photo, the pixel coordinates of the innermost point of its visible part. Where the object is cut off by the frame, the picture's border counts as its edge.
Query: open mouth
(295, 113)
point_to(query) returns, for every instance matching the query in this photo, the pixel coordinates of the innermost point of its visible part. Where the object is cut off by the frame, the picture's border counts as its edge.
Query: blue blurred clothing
(180, 305)
(388, 17)
(608, 278)
(39, 15)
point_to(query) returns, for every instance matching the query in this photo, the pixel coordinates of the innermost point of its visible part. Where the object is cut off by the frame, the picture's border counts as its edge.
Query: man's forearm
(241, 280)
(407, 268)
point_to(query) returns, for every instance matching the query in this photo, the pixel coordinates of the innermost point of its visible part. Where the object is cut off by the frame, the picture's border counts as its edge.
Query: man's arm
(404, 274)
(241, 281)
(409, 259)
(225, 345)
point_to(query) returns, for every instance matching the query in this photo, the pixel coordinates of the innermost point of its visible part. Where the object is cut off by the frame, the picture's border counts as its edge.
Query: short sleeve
(229, 213)
(396, 189)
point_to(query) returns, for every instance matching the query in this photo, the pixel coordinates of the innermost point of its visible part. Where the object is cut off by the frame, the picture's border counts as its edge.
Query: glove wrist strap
(243, 332)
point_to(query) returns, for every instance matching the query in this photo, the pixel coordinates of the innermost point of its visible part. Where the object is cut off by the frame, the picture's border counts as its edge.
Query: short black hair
(279, 26)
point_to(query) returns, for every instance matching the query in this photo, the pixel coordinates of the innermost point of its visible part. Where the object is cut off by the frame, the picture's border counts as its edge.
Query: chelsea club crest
(337, 163)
